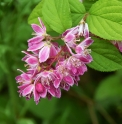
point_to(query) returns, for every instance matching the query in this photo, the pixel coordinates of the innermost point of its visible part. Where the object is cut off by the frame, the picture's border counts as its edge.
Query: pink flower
(69, 36)
(50, 67)
(65, 77)
(75, 66)
(39, 86)
(82, 52)
(40, 33)
(39, 91)
(48, 78)
(26, 86)
(46, 50)
(31, 60)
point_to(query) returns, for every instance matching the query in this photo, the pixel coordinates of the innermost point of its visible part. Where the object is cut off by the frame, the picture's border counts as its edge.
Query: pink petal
(74, 70)
(25, 77)
(69, 80)
(23, 86)
(66, 32)
(45, 74)
(39, 87)
(52, 91)
(86, 31)
(120, 45)
(53, 51)
(36, 47)
(58, 93)
(73, 31)
(86, 58)
(18, 78)
(36, 96)
(82, 69)
(32, 60)
(37, 28)
(69, 49)
(36, 39)
(78, 49)
(57, 83)
(66, 87)
(57, 79)
(27, 90)
(25, 57)
(42, 25)
(44, 54)
(69, 37)
(44, 93)
(85, 43)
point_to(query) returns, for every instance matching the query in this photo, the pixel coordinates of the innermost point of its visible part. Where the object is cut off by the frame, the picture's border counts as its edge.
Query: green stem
(90, 103)
(92, 113)
(105, 114)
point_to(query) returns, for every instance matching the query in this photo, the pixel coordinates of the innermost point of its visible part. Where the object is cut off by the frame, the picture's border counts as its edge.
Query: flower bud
(39, 87)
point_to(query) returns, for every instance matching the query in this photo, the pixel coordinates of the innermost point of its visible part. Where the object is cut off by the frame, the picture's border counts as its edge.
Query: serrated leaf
(106, 56)
(105, 19)
(37, 12)
(109, 88)
(57, 14)
(77, 11)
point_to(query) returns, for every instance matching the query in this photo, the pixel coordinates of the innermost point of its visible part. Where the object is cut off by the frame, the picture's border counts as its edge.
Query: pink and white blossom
(40, 32)
(51, 67)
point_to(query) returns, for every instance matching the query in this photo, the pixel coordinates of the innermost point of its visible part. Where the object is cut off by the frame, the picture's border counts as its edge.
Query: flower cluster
(51, 67)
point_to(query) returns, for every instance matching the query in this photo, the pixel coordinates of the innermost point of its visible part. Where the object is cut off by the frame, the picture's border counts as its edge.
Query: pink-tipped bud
(39, 88)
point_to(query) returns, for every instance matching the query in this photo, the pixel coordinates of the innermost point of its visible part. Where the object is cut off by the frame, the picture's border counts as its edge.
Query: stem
(55, 58)
(96, 36)
(85, 16)
(92, 114)
(90, 103)
(56, 38)
(105, 114)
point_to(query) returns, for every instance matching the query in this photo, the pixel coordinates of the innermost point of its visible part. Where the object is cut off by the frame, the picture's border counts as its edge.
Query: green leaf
(109, 88)
(106, 56)
(45, 109)
(25, 121)
(57, 14)
(37, 12)
(88, 3)
(77, 11)
(105, 19)
(70, 107)
(3, 116)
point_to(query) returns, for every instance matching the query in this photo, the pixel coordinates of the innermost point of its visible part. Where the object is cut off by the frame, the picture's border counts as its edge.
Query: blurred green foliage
(97, 99)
